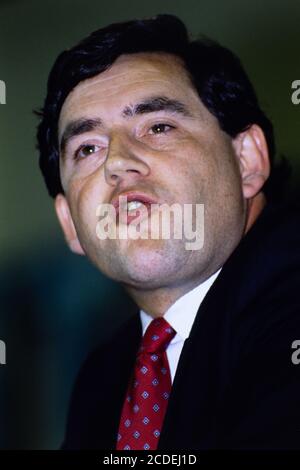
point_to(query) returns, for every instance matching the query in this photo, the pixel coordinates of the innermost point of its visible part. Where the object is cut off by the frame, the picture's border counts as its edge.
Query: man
(139, 111)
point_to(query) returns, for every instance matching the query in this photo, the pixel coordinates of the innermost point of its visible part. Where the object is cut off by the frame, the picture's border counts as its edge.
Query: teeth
(132, 205)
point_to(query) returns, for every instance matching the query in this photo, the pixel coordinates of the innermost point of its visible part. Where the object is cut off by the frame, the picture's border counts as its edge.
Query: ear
(66, 222)
(253, 158)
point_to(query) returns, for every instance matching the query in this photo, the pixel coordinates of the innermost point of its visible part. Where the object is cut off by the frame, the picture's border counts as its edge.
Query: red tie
(148, 392)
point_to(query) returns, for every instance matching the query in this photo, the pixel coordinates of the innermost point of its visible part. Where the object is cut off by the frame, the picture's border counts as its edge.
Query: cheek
(85, 196)
(211, 172)
(193, 168)
(221, 167)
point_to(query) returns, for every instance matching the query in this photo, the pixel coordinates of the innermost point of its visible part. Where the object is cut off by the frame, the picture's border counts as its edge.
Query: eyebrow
(78, 127)
(150, 105)
(157, 103)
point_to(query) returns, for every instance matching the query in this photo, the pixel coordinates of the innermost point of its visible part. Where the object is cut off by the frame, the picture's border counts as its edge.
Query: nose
(125, 160)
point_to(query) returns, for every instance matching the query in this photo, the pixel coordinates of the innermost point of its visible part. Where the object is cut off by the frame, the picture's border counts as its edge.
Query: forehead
(130, 78)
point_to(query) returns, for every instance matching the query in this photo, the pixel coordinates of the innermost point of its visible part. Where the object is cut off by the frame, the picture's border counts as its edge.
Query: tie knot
(157, 337)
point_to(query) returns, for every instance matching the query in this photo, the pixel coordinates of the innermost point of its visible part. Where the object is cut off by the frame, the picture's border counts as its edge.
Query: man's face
(140, 127)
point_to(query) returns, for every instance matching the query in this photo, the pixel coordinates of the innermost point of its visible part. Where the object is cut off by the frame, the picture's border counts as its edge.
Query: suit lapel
(193, 401)
(120, 358)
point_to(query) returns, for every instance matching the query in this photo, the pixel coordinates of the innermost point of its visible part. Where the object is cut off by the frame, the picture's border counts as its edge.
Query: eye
(85, 150)
(161, 128)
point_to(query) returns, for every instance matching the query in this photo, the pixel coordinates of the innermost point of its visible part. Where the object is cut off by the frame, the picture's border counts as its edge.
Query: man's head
(138, 108)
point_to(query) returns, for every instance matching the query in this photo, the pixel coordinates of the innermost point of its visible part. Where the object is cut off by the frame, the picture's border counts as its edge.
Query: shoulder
(257, 292)
(274, 234)
(267, 257)
(99, 385)
(126, 334)
(263, 276)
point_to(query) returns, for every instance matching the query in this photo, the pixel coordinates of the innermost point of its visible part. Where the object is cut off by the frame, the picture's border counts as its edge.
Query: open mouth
(133, 211)
(132, 206)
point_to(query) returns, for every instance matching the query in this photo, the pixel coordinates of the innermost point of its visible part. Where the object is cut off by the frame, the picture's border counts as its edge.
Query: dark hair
(216, 73)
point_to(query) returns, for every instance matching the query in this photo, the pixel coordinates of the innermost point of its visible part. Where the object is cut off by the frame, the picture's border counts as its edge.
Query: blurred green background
(55, 307)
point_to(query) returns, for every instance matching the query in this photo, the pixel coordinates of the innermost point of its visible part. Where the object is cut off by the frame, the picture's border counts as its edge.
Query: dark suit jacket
(236, 386)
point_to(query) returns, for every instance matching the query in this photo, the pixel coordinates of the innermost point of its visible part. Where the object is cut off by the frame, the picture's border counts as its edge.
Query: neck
(156, 302)
(255, 207)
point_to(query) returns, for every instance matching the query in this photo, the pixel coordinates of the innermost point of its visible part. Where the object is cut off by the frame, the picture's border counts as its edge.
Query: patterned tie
(148, 392)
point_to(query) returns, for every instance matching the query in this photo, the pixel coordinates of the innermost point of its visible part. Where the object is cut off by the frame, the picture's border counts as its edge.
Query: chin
(150, 265)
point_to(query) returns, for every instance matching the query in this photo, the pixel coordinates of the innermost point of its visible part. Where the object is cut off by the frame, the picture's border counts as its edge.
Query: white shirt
(181, 316)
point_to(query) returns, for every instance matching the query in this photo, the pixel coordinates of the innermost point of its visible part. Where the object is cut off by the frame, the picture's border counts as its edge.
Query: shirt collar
(182, 313)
